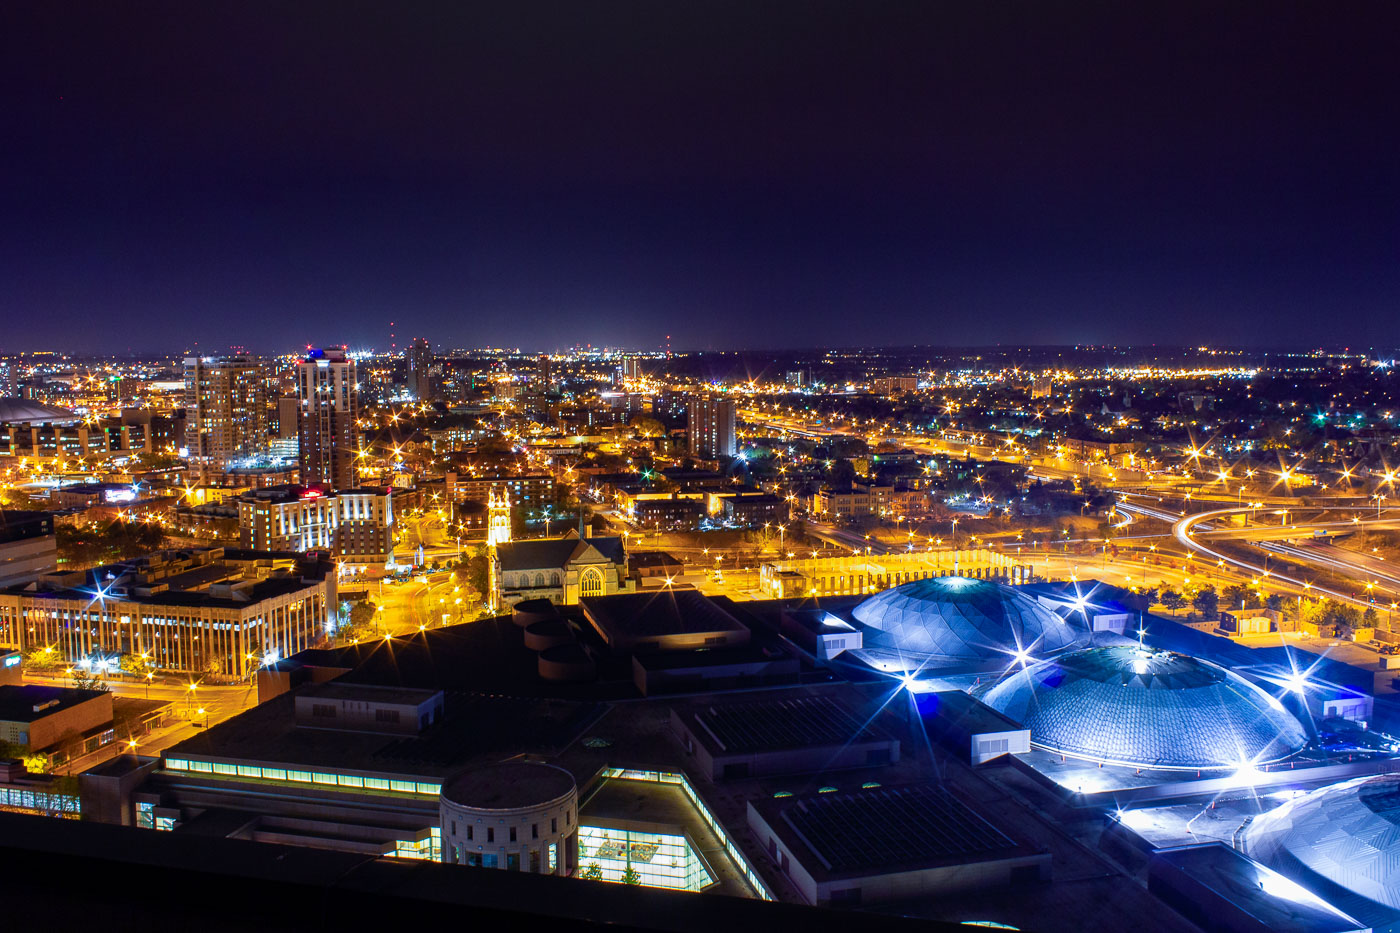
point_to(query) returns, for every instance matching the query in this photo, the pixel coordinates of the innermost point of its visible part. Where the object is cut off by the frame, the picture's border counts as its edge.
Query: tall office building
(710, 422)
(226, 409)
(419, 356)
(330, 403)
(545, 376)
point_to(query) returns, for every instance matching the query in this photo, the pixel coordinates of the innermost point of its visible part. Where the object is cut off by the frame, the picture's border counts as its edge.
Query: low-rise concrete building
(889, 843)
(38, 715)
(753, 738)
(676, 620)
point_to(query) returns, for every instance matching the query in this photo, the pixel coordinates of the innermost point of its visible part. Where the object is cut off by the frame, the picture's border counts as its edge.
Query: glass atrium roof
(1348, 833)
(961, 619)
(1136, 706)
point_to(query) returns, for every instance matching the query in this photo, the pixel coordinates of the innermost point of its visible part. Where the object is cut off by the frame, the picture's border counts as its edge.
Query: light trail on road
(1181, 530)
(1313, 557)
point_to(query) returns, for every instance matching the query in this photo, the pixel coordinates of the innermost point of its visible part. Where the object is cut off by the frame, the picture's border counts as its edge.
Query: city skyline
(733, 176)
(385, 350)
(843, 464)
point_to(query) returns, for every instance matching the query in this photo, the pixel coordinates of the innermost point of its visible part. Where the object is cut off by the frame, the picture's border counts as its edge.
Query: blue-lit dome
(960, 619)
(1156, 709)
(1347, 834)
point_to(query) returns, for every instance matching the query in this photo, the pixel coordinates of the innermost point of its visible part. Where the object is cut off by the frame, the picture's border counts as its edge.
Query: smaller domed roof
(14, 410)
(508, 786)
(962, 619)
(1347, 833)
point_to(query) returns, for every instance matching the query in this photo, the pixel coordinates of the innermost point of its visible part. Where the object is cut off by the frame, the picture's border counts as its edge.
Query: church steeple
(497, 518)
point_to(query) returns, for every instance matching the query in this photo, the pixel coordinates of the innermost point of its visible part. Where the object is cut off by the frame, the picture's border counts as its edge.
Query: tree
(1239, 596)
(474, 572)
(1172, 600)
(19, 499)
(137, 665)
(648, 427)
(151, 460)
(1341, 618)
(44, 658)
(360, 620)
(13, 750)
(88, 680)
(362, 613)
(114, 540)
(1206, 602)
(1370, 618)
(841, 474)
(592, 872)
(630, 876)
(1274, 603)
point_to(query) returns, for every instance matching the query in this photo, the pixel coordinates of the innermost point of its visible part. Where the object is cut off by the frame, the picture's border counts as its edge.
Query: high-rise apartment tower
(226, 409)
(711, 426)
(329, 405)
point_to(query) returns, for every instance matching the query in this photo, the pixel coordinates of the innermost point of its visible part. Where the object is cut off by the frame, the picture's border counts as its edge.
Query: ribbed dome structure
(27, 411)
(961, 619)
(1156, 709)
(1347, 834)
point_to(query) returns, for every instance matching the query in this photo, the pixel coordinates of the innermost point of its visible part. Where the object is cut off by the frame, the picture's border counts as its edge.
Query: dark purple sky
(733, 174)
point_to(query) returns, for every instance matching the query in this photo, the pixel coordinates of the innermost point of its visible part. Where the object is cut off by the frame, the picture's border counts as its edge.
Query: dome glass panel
(1348, 834)
(959, 618)
(1157, 709)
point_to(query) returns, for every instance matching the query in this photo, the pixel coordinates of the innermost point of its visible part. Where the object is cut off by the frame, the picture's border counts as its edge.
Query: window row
(297, 776)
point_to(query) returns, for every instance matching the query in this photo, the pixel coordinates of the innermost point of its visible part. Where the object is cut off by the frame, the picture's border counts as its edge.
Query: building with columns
(516, 816)
(217, 611)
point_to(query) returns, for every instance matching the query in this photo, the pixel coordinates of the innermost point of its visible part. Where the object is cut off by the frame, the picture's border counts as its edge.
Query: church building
(559, 569)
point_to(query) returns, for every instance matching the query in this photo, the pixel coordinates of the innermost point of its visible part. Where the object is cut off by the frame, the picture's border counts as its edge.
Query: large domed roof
(1135, 706)
(962, 619)
(1347, 833)
(22, 410)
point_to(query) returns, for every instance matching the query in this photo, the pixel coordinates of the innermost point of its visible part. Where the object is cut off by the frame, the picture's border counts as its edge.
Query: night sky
(743, 174)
